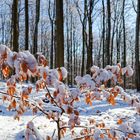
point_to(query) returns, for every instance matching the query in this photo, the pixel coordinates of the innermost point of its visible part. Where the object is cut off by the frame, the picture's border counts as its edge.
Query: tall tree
(59, 34)
(26, 26)
(2, 16)
(137, 51)
(90, 40)
(108, 33)
(67, 38)
(51, 13)
(15, 22)
(103, 32)
(84, 34)
(124, 40)
(118, 38)
(114, 18)
(37, 17)
(71, 50)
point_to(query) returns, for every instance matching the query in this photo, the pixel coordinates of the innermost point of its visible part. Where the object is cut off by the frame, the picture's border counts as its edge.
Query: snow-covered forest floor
(101, 111)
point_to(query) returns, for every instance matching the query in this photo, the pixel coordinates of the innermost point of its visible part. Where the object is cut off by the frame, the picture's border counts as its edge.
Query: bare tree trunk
(108, 33)
(90, 44)
(103, 34)
(15, 26)
(124, 41)
(113, 30)
(99, 53)
(59, 34)
(74, 54)
(51, 17)
(118, 40)
(42, 38)
(67, 28)
(26, 26)
(137, 38)
(112, 43)
(11, 30)
(84, 37)
(35, 46)
(118, 47)
(2, 28)
(83, 51)
(55, 44)
(52, 37)
(71, 53)
(74, 50)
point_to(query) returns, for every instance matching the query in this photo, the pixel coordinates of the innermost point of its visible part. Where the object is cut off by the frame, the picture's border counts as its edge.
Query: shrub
(19, 67)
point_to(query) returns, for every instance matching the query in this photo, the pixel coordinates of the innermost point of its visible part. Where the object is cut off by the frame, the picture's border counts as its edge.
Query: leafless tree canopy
(75, 33)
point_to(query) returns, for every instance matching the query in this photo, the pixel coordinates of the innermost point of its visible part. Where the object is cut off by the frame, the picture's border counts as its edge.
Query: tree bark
(113, 30)
(15, 26)
(137, 38)
(59, 34)
(103, 34)
(118, 40)
(68, 51)
(90, 44)
(26, 26)
(71, 52)
(84, 22)
(108, 33)
(124, 41)
(52, 18)
(35, 46)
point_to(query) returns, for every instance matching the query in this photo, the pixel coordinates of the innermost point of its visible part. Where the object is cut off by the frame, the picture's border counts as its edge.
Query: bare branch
(134, 6)
(55, 101)
(79, 11)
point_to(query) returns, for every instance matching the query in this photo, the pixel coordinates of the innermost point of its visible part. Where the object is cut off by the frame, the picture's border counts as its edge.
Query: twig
(78, 126)
(55, 101)
(53, 133)
(83, 137)
(39, 108)
(4, 93)
(90, 127)
(134, 6)
(36, 116)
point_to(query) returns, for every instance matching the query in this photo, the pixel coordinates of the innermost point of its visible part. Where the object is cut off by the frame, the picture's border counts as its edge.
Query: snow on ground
(11, 129)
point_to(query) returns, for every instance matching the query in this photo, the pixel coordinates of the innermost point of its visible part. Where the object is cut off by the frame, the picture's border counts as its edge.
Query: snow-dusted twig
(55, 101)
(39, 108)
